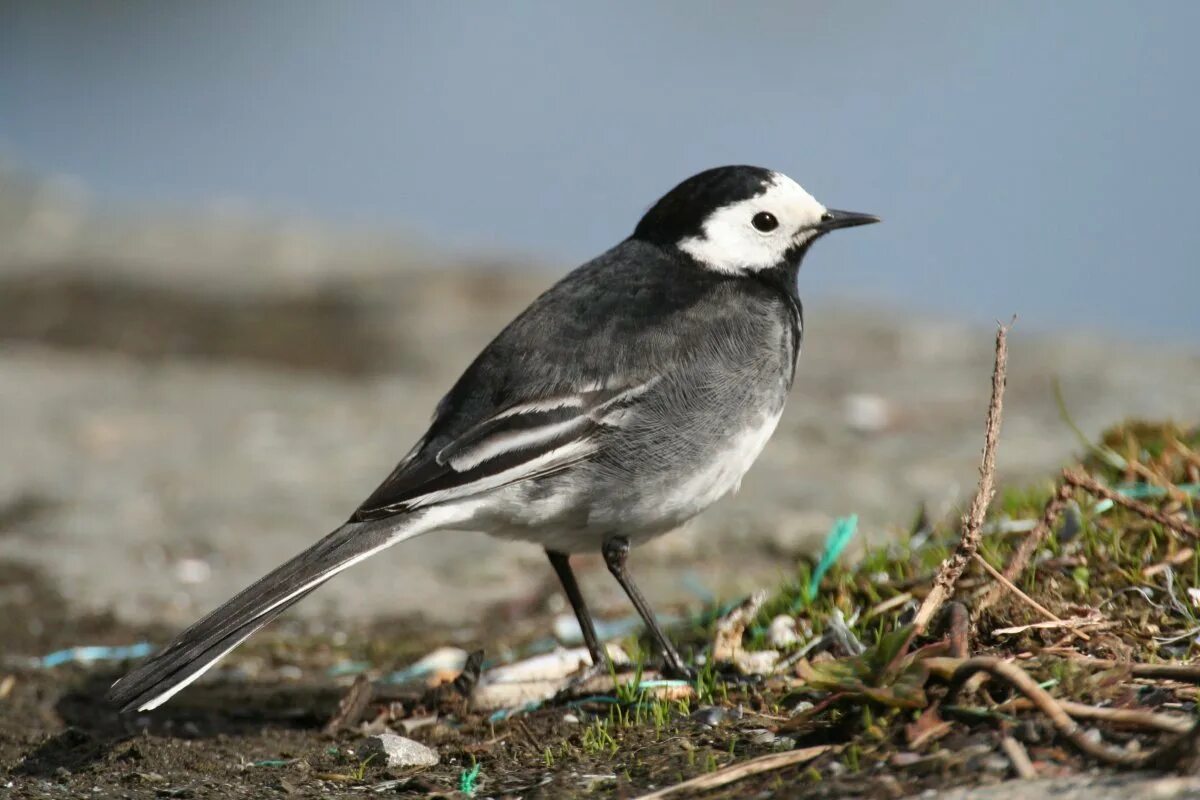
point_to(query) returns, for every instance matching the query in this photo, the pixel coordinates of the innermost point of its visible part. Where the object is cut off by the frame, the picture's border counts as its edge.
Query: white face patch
(731, 243)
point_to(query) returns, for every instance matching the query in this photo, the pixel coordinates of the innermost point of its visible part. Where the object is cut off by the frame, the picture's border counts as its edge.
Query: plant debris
(1062, 636)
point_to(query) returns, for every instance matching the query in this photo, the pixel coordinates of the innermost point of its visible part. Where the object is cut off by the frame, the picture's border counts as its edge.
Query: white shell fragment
(536, 679)
(727, 643)
(396, 751)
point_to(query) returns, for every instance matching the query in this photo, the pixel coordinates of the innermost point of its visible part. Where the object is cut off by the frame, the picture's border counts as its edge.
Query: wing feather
(526, 440)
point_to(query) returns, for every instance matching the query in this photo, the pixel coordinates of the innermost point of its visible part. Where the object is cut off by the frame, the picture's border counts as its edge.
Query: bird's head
(741, 220)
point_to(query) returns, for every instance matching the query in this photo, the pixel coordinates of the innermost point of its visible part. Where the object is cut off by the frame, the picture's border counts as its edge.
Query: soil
(241, 736)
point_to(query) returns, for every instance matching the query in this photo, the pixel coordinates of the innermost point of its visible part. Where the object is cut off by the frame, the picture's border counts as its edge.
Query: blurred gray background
(1027, 156)
(245, 246)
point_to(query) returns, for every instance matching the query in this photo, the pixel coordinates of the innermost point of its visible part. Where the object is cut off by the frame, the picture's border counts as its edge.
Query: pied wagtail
(623, 401)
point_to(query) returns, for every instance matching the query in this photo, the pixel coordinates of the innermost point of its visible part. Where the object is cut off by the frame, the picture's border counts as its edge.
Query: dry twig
(952, 568)
(351, 707)
(1164, 757)
(956, 624)
(1016, 590)
(1182, 556)
(1091, 485)
(744, 769)
(1093, 621)
(1029, 545)
(1184, 673)
(1019, 757)
(1012, 587)
(1126, 717)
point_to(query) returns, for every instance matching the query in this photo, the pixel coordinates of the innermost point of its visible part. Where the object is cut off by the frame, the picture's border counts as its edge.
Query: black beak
(834, 219)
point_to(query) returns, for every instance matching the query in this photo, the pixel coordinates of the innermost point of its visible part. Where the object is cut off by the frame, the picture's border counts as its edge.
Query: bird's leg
(562, 565)
(616, 553)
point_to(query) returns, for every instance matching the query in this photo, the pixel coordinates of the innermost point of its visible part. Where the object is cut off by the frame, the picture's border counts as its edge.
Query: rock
(396, 751)
(712, 716)
(782, 632)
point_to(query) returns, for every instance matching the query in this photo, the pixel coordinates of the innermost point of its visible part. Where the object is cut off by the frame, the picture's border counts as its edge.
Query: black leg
(616, 553)
(562, 565)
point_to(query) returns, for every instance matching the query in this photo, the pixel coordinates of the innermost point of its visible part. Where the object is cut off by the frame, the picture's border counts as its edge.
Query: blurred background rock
(244, 248)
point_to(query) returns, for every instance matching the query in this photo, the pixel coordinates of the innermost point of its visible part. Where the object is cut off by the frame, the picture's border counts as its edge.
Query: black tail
(157, 679)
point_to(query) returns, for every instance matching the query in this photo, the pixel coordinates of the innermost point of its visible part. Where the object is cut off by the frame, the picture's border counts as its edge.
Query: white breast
(709, 482)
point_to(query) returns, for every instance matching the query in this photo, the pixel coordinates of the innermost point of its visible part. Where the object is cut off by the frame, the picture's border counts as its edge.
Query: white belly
(722, 475)
(579, 515)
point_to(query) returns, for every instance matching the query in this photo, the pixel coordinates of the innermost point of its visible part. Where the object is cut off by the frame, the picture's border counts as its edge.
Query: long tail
(185, 659)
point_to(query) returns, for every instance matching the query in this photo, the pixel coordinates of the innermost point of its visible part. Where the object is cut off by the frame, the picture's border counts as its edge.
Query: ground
(875, 719)
(188, 404)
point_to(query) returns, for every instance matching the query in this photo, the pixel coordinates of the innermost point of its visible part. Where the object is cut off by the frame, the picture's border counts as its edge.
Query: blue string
(95, 653)
(840, 534)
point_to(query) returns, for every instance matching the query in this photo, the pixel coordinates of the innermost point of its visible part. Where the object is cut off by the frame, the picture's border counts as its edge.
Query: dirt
(256, 729)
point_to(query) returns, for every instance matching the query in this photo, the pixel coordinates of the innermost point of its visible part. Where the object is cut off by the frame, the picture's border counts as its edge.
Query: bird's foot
(679, 671)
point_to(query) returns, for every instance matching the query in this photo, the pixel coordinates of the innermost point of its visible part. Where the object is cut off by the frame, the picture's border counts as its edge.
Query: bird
(627, 398)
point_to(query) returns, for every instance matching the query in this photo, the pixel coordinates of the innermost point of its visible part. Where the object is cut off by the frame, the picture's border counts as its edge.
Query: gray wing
(525, 440)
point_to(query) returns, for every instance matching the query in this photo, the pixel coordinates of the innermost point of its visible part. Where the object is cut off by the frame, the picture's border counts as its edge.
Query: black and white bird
(623, 401)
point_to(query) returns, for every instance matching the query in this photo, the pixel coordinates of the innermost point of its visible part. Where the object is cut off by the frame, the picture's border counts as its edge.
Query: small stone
(760, 736)
(782, 632)
(995, 763)
(712, 716)
(570, 719)
(291, 672)
(397, 751)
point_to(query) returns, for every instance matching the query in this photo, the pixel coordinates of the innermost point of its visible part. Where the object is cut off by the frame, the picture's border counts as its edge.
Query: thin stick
(1022, 682)
(1184, 673)
(1091, 485)
(351, 707)
(1169, 755)
(1019, 757)
(735, 772)
(952, 568)
(1012, 587)
(1128, 717)
(1029, 545)
(956, 622)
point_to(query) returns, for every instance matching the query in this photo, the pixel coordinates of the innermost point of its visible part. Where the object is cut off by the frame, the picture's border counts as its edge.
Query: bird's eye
(765, 221)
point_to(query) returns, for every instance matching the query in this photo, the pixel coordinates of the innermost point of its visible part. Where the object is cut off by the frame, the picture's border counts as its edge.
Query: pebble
(760, 736)
(782, 632)
(802, 706)
(712, 716)
(995, 763)
(398, 751)
(291, 672)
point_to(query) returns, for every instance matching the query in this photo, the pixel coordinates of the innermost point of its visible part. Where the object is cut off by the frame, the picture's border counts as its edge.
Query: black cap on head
(681, 211)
